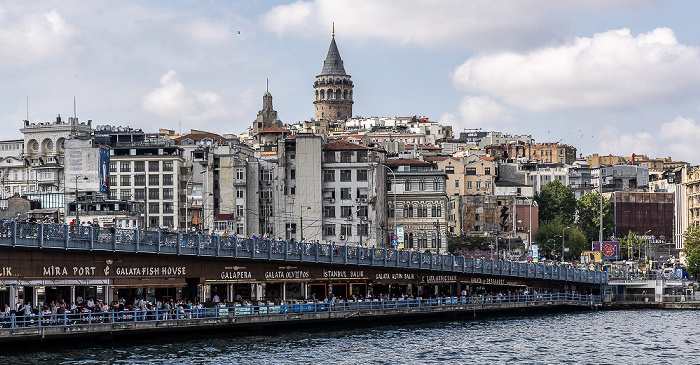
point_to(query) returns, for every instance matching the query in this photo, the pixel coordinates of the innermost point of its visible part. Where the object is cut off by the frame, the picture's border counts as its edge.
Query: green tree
(549, 235)
(632, 243)
(588, 216)
(556, 200)
(691, 249)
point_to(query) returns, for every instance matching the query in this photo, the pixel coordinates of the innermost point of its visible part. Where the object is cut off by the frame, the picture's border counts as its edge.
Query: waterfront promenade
(112, 324)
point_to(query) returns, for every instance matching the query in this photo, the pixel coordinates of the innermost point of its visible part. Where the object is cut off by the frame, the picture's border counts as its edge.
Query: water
(607, 337)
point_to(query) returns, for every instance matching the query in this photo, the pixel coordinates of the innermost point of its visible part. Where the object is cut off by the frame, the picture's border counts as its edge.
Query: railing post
(66, 235)
(136, 239)
(235, 247)
(198, 243)
(420, 260)
(217, 244)
(158, 241)
(269, 249)
(91, 236)
(316, 247)
(114, 238)
(286, 250)
(398, 256)
(330, 252)
(345, 259)
(41, 234)
(14, 233)
(251, 247)
(386, 255)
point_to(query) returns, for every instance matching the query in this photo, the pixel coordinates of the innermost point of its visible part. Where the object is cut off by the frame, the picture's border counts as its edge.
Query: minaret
(333, 88)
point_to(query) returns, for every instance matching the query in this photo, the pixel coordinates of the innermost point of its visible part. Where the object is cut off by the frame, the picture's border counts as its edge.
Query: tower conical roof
(333, 65)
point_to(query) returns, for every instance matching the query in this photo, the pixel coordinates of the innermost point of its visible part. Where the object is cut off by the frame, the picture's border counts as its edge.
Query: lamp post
(646, 246)
(77, 216)
(204, 216)
(393, 188)
(301, 221)
(562, 243)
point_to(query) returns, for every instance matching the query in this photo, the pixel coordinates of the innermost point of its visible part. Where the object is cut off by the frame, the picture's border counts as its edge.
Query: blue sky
(608, 77)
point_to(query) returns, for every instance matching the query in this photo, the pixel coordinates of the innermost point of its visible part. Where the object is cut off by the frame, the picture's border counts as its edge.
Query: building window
(153, 166)
(345, 156)
(329, 211)
(112, 167)
(421, 184)
(362, 175)
(450, 169)
(470, 171)
(168, 194)
(345, 175)
(139, 180)
(456, 183)
(410, 240)
(239, 174)
(362, 229)
(329, 156)
(125, 167)
(407, 185)
(293, 174)
(346, 230)
(125, 194)
(125, 180)
(154, 194)
(328, 175)
(153, 180)
(167, 209)
(329, 229)
(487, 171)
(139, 166)
(112, 181)
(362, 211)
(362, 156)
(240, 192)
(345, 194)
(362, 193)
(391, 211)
(168, 221)
(167, 180)
(139, 194)
(153, 208)
(239, 210)
(408, 211)
(436, 185)
(478, 185)
(328, 194)
(167, 166)
(345, 212)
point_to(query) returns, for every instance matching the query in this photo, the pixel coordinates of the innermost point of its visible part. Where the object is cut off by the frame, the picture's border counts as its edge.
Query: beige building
(479, 176)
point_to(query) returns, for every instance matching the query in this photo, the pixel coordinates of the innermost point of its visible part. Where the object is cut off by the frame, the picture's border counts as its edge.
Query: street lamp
(204, 216)
(562, 243)
(301, 221)
(646, 246)
(393, 188)
(77, 216)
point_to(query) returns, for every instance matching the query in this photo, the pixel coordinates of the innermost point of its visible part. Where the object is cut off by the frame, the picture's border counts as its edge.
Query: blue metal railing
(361, 307)
(25, 234)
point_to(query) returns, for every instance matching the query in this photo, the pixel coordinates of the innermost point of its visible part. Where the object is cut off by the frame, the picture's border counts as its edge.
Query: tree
(556, 200)
(632, 243)
(588, 216)
(691, 249)
(549, 235)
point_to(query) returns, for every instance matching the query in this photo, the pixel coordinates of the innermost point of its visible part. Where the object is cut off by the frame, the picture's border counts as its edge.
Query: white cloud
(173, 100)
(207, 32)
(31, 37)
(480, 112)
(681, 137)
(625, 144)
(475, 23)
(610, 69)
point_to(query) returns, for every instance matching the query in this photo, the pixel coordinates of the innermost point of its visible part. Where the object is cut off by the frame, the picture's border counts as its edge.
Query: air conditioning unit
(331, 200)
(363, 200)
(342, 237)
(357, 200)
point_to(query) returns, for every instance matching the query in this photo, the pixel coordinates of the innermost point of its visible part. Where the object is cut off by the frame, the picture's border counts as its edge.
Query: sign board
(610, 250)
(399, 234)
(534, 253)
(590, 256)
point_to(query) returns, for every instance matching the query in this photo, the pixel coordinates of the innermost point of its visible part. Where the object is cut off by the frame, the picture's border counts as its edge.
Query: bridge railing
(41, 235)
(85, 317)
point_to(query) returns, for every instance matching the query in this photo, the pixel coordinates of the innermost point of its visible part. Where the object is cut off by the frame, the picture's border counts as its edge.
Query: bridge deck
(65, 237)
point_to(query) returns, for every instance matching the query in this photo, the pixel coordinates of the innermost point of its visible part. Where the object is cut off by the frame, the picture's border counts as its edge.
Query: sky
(605, 76)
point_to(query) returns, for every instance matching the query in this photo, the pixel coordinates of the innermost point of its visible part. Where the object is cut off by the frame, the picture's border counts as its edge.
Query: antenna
(267, 87)
(27, 108)
(333, 34)
(75, 111)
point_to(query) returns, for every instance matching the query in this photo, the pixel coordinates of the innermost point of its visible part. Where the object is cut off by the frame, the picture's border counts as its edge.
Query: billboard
(399, 235)
(590, 256)
(104, 171)
(610, 250)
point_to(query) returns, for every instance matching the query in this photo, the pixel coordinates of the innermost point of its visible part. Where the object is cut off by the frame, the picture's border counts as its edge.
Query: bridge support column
(284, 291)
